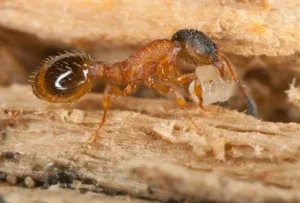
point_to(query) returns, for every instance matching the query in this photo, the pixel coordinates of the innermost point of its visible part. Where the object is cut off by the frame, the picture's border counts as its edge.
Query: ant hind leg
(110, 91)
(106, 103)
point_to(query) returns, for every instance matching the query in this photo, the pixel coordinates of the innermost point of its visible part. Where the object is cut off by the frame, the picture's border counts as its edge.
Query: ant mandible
(67, 77)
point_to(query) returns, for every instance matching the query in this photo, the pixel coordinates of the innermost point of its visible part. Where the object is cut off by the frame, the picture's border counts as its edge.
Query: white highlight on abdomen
(61, 77)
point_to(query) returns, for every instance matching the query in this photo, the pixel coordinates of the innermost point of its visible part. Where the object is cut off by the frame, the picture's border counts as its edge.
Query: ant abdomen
(64, 78)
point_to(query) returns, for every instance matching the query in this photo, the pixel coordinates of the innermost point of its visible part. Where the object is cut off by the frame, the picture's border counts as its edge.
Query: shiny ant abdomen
(67, 77)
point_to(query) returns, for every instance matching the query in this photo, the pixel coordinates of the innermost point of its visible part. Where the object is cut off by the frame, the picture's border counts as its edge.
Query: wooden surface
(59, 195)
(148, 149)
(240, 27)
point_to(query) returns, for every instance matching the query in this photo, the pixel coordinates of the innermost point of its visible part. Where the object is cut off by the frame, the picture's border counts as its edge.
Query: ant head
(196, 47)
(64, 78)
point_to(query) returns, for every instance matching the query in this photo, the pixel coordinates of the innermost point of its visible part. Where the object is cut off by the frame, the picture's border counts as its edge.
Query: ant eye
(63, 78)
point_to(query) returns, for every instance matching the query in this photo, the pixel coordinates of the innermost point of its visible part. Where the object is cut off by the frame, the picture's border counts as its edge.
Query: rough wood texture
(148, 149)
(58, 195)
(240, 27)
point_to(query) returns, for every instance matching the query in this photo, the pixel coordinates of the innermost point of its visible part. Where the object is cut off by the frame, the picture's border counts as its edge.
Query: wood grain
(149, 149)
(241, 27)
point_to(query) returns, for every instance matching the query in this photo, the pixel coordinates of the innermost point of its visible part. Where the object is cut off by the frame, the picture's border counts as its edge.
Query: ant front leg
(163, 89)
(198, 93)
(187, 78)
(110, 91)
(183, 79)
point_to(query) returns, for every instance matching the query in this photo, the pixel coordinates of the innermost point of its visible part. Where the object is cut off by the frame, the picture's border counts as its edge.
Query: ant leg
(162, 89)
(182, 105)
(106, 103)
(129, 89)
(198, 93)
(183, 79)
(165, 71)
(252, 108)
(116, 91)
(179, 98)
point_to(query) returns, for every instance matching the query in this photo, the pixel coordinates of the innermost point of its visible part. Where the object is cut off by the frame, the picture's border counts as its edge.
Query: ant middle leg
(162, 89)
(181, 102)
(110, 91)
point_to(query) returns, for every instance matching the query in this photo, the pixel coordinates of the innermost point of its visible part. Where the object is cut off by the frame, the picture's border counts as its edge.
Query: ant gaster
(67, 77)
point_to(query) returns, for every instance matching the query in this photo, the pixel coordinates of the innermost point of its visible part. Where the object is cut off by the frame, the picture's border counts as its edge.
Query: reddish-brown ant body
(67, 77)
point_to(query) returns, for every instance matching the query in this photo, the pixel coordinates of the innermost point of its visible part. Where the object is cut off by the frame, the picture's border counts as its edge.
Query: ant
(67, 77)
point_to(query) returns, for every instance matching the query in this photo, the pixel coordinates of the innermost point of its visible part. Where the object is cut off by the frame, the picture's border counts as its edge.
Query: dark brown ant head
(64, 78)
(197, 48)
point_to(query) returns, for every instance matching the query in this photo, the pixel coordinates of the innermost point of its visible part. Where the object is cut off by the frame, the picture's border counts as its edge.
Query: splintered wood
(148, 149)
(294, 94)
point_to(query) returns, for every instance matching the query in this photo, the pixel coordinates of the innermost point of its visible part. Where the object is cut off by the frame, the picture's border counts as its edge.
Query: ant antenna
(252, 108)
